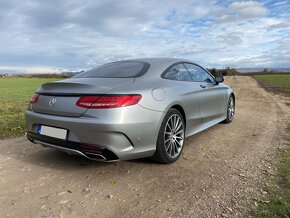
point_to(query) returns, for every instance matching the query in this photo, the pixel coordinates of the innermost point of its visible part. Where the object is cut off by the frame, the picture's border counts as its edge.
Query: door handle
(202, 86)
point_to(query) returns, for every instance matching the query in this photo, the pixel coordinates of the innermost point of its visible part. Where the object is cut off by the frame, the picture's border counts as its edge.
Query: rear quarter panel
(183, 93)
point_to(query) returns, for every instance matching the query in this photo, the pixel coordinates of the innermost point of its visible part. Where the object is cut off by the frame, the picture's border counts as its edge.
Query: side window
(198, 74)
(178, 72)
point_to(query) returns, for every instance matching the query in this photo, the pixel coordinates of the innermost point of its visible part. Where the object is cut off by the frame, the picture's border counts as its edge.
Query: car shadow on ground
(57, 159)
(23, 150)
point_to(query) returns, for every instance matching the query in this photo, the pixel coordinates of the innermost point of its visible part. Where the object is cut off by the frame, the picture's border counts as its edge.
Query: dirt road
(222, 171)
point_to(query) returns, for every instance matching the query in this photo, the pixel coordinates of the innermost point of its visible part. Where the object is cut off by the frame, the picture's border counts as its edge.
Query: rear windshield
(121, 69)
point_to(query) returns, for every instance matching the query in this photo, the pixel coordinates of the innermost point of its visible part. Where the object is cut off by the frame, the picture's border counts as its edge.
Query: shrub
(228, 71)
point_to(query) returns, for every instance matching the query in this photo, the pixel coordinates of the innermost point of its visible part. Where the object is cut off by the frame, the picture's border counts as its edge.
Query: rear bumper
(122, 134)
(72, 147)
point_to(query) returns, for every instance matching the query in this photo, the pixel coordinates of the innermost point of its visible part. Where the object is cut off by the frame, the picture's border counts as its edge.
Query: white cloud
(280, 25)
(84, 33)
(244, 10)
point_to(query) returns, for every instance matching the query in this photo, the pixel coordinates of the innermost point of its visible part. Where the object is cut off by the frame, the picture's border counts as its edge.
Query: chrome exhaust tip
(88, 155)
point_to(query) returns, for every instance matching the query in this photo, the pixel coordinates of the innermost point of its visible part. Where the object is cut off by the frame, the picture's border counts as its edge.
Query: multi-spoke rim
(231, 108)
(174, 135)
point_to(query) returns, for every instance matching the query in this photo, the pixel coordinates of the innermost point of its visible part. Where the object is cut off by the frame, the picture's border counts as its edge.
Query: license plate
(52, 132)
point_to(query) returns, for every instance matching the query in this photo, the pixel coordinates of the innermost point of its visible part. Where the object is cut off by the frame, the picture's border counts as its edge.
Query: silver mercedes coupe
(129, 109)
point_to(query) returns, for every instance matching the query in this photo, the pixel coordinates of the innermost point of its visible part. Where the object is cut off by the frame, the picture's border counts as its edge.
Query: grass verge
(279, 194)
(15, 94)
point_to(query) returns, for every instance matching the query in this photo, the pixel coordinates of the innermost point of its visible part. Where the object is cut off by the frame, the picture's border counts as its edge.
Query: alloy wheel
(231, 109)
(174, 135)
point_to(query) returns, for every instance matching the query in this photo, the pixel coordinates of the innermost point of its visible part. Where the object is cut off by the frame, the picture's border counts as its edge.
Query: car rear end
(85, 116)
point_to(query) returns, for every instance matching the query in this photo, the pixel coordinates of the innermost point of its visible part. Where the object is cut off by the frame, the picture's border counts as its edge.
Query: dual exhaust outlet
(88, 155)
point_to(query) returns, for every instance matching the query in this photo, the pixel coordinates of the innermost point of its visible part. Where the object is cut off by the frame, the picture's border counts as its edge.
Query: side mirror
(219, 79)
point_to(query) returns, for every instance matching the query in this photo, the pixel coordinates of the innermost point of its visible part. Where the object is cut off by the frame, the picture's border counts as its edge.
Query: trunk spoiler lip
(81, 94)
(78, 94)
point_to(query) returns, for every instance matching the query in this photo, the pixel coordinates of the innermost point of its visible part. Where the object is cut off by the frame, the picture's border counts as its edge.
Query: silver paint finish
(159, 94)
(129, 132)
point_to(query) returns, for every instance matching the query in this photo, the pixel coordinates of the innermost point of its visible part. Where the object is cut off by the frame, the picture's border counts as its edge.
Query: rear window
(121, 69)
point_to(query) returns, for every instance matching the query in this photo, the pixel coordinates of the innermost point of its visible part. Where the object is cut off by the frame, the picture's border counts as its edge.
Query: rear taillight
(107, 101)
(34, 99)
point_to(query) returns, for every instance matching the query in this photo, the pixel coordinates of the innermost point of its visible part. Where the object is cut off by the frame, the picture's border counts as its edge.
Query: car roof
(160, 60)
(158, 65)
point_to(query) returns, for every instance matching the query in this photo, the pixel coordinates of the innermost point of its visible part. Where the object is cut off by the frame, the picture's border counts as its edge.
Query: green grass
(15, 94)
(280, 81)
(279, 205)
(288, 103)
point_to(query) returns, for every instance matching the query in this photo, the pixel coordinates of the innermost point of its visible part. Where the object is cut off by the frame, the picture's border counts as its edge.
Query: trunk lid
(59, 98)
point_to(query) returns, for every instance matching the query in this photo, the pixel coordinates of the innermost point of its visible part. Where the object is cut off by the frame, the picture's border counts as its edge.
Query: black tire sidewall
(161, 153)
(228, 120)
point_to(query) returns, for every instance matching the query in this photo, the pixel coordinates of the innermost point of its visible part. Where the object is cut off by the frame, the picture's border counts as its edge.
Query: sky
(46, 36)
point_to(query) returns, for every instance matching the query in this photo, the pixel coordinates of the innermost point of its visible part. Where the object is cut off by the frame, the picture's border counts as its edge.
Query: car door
(187, 93)
(212, 95)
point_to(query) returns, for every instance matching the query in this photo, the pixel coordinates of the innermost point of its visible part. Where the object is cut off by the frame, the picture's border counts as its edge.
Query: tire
(230, 110)
(171, 137)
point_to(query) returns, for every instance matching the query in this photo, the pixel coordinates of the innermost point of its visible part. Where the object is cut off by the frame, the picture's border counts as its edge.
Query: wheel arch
(181, 110)
(234, 97)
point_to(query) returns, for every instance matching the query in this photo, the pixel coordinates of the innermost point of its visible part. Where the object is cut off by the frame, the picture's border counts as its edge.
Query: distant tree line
(268, 71)
(39, 75)
(228, 71)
